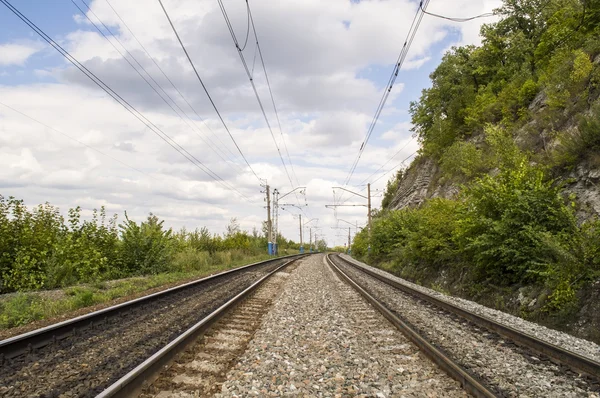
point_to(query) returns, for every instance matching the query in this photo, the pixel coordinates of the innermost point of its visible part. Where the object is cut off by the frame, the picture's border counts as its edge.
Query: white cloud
(315, 53)
(17, 54)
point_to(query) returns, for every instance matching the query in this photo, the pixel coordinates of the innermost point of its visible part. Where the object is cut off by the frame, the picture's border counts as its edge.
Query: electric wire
(466, 19)
(171, 82)
(259, 50)
(395, 167)
(401, 58)
(76, 140)
(388, 161)
(206, 90)
(243, 59)
(145, 71)
(271, 94)
(125, 104)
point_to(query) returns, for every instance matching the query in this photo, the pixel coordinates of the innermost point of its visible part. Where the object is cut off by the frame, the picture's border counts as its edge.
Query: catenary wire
(389, 160)
(250, 77)
(466, 19)
(242, 58)
(107, 89)
(395, 167)
(271, 94)
(76, 140)
(259, 50)
(142, 76)
(206, 90)
(403, 53)
(170, 81)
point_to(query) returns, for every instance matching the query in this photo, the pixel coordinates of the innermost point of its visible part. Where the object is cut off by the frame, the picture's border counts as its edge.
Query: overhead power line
(208, 143)
(125, 104)
(76, 140)
(262, 61)
(395, 167)
(206, 90)
(466, 19)
(249, 74)
(398, 65)
(170, 81)
(388, 161)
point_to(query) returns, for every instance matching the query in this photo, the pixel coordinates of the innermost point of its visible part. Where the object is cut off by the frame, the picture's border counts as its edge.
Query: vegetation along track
(503, 366)
(81, 357)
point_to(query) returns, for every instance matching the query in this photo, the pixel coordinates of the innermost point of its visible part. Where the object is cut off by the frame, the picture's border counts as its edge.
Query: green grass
(24, 308)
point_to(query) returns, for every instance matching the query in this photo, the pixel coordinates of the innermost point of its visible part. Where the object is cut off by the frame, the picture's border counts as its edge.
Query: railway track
(487, 357)
(88, 356)
(201, 368)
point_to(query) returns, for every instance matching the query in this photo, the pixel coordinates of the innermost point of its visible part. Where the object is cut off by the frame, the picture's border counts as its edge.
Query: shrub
(576, 145)
(145, 248)
(462, 159)
(430, 241)
(508, 220)
(190, 259)
(19, 310)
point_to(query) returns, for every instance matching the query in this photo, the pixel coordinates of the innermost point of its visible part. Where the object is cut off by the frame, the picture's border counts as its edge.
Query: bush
(190, 260)
(19, 310)
(462, 159)
(507, 223)
(581, 143)
(145, 248)
(431, 240)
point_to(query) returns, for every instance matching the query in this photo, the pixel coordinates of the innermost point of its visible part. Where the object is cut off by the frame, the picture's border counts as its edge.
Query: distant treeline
(39, 249)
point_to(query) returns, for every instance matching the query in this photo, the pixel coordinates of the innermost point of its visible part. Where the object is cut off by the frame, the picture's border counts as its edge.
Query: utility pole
(310, 242)
(369, 208)
(274, 232)
(301, 247)
(349, 239)
(269, 222)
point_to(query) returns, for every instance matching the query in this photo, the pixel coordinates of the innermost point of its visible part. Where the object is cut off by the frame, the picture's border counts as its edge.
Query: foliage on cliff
(535, 80)
(538, 46)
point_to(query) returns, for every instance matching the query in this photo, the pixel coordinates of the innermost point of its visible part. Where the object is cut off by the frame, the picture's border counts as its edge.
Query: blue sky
(328, 64)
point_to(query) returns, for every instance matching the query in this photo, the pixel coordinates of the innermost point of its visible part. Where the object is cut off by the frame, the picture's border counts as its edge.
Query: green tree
(146, 248)
(511, 221)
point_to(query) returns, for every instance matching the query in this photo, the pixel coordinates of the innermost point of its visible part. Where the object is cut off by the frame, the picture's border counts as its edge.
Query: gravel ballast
(321, 338)
(580, 346)
(200, 370)
(85, 363)
(505, 368)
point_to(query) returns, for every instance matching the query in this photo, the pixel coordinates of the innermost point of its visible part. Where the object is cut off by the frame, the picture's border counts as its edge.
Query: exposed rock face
(586, 187)
(421, 182)
(414, 187)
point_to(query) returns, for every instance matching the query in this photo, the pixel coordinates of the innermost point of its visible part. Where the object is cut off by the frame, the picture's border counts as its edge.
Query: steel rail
(23, 343)
(468, 382)
(571, 359)
(143, 374)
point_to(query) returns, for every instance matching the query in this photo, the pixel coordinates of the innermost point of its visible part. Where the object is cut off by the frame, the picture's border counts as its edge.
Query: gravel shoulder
(85, 363)
(508, 370)
(321, 338)
(582, 347)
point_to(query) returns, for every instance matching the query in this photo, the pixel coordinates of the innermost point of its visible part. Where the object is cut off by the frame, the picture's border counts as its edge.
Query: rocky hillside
(501, 205)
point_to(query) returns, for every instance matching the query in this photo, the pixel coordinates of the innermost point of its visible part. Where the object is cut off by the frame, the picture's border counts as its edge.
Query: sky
(65, 141)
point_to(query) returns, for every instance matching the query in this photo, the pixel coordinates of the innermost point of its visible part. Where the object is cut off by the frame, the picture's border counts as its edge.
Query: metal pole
(301, 247)
(274, 221)
(349, 239)
(369, 206)
(269, 223)
(369, 210)
(310, 242)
